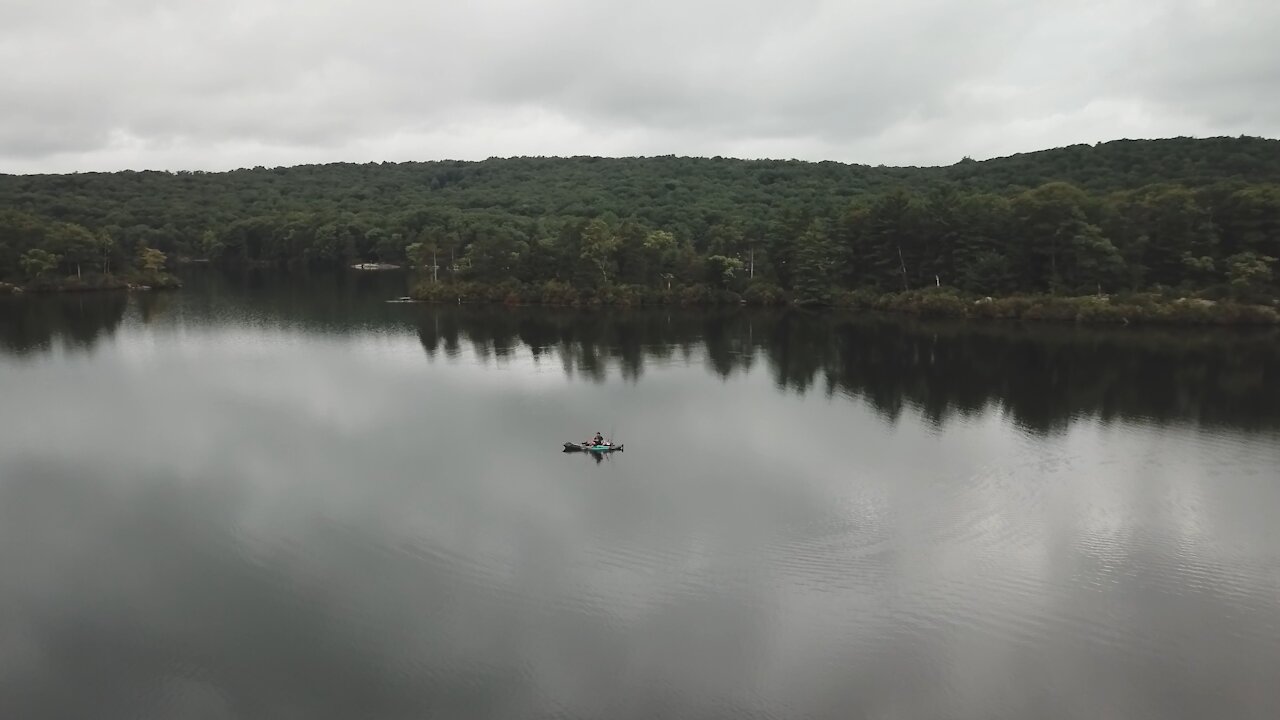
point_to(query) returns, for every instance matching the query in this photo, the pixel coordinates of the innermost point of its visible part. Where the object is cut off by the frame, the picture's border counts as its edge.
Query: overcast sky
(218, 84)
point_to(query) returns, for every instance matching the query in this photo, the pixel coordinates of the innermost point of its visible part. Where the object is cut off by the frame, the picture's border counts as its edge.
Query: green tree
(893, 239)
(1250, 275)
(1249, 221)
(725, 238)
(37, 263)
(631, 258)
(1096, 263)
(598, 247)
(1049, 219)
(984, 245)
(372, 243)
(106, 248)
(660, 251)
(1155, 229)
(417, 254)
(151, 260)
(815, 265)
(494, 254)
(1200, 271)
(74, 244)
(390, 248)
(722, 271)
(210, 246)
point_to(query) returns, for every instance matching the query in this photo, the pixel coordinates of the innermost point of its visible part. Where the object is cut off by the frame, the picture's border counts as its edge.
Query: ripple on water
(184, 695)
(845, 548)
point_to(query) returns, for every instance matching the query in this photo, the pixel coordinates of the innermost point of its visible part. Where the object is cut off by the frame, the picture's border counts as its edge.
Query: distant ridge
(1176, 213)
(1179, 158)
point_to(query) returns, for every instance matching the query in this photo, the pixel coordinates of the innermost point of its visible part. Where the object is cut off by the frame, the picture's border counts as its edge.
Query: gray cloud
(187, 84)
(1216, 60)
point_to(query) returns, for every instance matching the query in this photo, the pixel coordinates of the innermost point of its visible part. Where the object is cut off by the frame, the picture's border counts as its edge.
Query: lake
(280, 496)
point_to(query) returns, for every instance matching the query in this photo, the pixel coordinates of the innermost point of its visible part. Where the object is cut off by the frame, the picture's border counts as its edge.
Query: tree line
(1179, 216)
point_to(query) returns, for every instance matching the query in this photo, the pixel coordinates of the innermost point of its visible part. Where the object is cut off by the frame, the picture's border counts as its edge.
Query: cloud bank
(144, 84)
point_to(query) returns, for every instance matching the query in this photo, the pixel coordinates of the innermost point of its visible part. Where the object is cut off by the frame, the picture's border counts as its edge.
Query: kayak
(583, 447)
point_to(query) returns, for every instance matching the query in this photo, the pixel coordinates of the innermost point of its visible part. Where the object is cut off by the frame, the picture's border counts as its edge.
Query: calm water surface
(282, 497)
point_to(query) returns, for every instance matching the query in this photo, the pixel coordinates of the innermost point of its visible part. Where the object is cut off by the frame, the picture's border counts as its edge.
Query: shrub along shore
(932, 303)
(92, 283)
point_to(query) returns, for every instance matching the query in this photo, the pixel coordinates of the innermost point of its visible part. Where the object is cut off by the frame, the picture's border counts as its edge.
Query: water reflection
(75, 322)
(1041, 376)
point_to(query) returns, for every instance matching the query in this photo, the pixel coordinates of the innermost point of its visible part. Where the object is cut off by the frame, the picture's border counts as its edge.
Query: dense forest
(1175, 218)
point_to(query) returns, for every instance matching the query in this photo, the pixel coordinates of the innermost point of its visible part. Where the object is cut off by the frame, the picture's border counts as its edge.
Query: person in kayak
(598, 439)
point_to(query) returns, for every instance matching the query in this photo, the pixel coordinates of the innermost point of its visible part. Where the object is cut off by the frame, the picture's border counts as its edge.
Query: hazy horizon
(174, 170)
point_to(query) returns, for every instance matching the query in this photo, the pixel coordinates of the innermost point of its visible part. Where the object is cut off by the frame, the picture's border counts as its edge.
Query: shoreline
(1123, 310)
(96, 284)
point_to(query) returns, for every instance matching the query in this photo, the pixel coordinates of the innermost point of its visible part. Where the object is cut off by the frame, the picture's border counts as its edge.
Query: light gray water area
(273, 496)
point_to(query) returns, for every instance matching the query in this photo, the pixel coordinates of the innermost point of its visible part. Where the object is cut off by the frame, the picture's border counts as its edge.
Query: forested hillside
(1177, 215)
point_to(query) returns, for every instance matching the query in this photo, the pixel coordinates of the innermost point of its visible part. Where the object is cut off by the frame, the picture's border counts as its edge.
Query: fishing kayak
(584, 447)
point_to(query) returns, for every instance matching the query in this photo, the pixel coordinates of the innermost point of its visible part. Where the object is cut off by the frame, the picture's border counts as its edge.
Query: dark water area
(279, 496)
